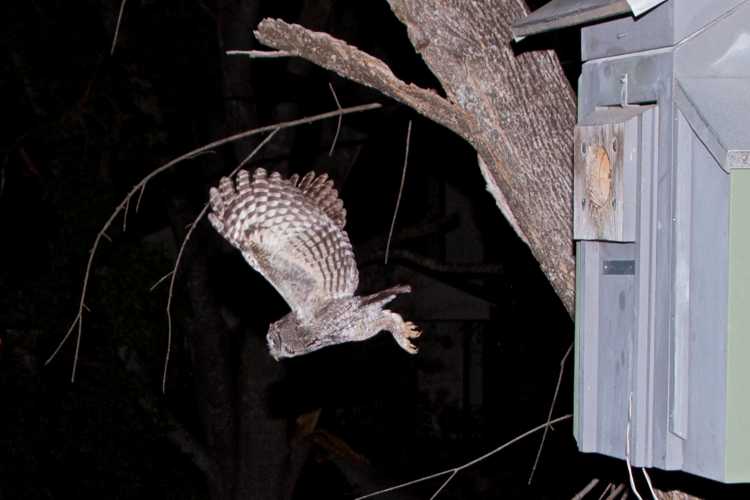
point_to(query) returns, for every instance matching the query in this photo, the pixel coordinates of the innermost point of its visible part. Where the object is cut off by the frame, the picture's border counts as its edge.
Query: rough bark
(518, 111)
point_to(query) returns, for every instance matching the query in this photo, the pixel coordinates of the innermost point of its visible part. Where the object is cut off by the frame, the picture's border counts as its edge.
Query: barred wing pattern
(292, 232)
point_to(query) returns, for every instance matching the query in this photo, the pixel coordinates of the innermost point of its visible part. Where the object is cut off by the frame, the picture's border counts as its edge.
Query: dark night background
(80, 128)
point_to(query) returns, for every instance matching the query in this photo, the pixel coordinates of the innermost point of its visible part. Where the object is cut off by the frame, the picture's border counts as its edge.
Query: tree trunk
(208, 339)
(518, 111)
(525, 110)
(248, 444)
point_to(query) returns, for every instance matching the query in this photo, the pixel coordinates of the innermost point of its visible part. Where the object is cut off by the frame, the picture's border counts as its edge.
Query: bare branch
(160, 281)
(627, 449)
(586, 490)
(497, 101)
(141, 185)
(338, 122)
(117, 27)
(189, 233)
(173, 276)
(65, 337)
(442, 486)
(125, 216)
(551, 409)
(260, 54)
(140, 196)
(468, 464)
(648, 482)
(606, 491)
(616, 491)
(400, 192)
(356, 65)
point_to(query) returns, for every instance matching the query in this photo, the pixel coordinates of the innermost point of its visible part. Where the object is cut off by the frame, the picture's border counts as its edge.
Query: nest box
(661, 223)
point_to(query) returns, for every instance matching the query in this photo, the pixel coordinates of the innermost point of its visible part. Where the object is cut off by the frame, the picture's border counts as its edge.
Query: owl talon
(409, 347)
(409, 331)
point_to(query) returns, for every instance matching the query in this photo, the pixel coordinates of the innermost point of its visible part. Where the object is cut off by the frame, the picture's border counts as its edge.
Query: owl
(291, 231)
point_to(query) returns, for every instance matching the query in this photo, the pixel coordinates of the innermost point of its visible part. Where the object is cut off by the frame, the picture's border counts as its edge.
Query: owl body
(292, 232)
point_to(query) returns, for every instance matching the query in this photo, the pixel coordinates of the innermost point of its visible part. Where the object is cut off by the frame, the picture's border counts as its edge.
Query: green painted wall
(738, 342)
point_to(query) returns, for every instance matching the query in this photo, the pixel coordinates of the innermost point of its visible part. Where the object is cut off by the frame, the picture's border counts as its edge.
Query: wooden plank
(564, 13)
(598, 187)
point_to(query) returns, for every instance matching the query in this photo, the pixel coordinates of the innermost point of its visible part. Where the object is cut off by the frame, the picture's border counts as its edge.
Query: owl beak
(274, 345)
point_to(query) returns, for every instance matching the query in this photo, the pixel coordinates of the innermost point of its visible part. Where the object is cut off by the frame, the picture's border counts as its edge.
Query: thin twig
(117, 27)
(616, 491)
(173, 276)
(138, 187)
(400, 192)
(648, 482)
(586, 490)
(442, 486)
(125, 217)
(606, 490)
(551, 408)
(189, 233)
(67, 334)
(160, 281)
(338, 122)
(140, 195)
(627, 449)
(468, 464)
(260, 54)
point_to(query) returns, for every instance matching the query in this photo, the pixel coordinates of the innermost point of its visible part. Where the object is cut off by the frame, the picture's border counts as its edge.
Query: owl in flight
(292, 232)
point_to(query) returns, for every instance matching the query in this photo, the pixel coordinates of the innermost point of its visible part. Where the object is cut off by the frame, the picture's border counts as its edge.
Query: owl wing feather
(292, 232)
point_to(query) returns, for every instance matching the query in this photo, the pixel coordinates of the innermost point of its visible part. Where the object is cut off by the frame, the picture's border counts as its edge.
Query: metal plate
(618, 267)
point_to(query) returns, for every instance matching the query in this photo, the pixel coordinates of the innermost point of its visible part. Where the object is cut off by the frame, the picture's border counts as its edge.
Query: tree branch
(517, 111)
(453, 471)
(356, 65)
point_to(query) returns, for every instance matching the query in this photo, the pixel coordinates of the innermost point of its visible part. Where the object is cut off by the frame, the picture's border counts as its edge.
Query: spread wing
(291, 231)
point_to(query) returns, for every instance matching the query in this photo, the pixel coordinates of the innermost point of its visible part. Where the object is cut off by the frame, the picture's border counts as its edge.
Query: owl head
(284, 337)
